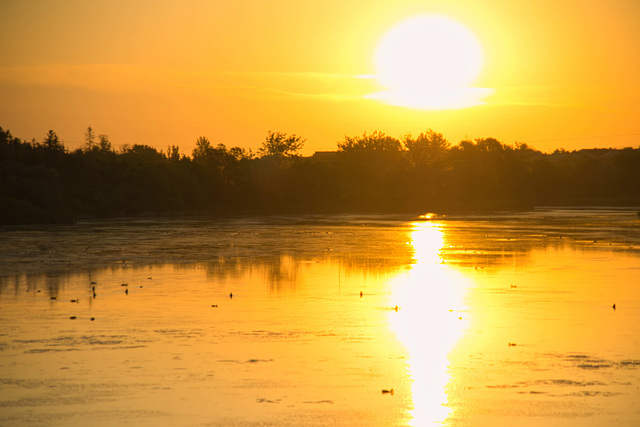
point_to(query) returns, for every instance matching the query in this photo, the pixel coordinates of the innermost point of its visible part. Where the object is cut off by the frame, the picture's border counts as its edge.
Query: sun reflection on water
(429, 322)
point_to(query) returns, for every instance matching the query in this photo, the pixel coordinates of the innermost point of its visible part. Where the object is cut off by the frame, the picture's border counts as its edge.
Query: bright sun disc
(429, 61)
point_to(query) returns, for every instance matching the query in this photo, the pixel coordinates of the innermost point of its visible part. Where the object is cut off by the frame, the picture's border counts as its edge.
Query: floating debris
(630, 363)
(264, 400)
(72, 317)
(390, 391)
(512, 344)
(258, 360)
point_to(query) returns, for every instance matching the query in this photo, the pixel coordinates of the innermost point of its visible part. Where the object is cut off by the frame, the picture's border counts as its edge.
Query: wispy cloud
(444, 99)
(128, 78)
(290, 84)
(559, 96)
(100, 77)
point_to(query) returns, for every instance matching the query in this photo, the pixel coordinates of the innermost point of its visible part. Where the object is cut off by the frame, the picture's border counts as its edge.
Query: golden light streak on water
(429, 322)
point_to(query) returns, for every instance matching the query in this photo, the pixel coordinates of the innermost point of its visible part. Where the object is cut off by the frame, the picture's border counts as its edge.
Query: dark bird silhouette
(360, 294)
(614, 306)
(126, 291)
(231, 295)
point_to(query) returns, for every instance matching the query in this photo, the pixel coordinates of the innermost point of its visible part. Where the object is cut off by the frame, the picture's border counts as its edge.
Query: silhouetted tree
(240, 153)
(203, 148)
(89, 139)
(375, 171)
(427, 148)
(377, 141)
(104, 144)
(489, 144)
(52, 143)
(279, 144)
(173, 153)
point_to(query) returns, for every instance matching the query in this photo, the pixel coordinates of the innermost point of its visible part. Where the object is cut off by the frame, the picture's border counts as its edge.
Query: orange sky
(159, 72)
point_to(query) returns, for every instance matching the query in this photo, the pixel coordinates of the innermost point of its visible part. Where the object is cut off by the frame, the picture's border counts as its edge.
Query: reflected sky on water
(472, 320)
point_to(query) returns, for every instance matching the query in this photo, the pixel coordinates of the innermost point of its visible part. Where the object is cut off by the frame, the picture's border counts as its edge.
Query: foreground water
(344, 320)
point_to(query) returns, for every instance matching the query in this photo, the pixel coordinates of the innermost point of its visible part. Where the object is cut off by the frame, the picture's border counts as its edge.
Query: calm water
(343, 320)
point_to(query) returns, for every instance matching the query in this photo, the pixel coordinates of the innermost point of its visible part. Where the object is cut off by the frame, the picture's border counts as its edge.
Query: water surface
(475, 320)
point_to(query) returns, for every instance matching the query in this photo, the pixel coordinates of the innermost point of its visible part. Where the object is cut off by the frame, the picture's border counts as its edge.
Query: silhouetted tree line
(44, 182)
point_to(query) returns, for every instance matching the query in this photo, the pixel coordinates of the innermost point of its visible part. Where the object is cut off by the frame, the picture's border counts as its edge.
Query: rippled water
(476, 320)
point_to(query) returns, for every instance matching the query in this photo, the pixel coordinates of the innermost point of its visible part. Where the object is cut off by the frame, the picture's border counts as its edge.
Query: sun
(429, 62)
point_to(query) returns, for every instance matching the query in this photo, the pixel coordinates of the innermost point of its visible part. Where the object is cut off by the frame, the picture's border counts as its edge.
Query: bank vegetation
(42, 181)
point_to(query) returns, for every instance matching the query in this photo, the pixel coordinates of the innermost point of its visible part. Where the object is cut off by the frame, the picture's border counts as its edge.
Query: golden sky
(160, 72)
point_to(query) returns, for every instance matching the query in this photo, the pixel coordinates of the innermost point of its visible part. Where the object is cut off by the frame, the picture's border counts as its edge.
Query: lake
(346, 320)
